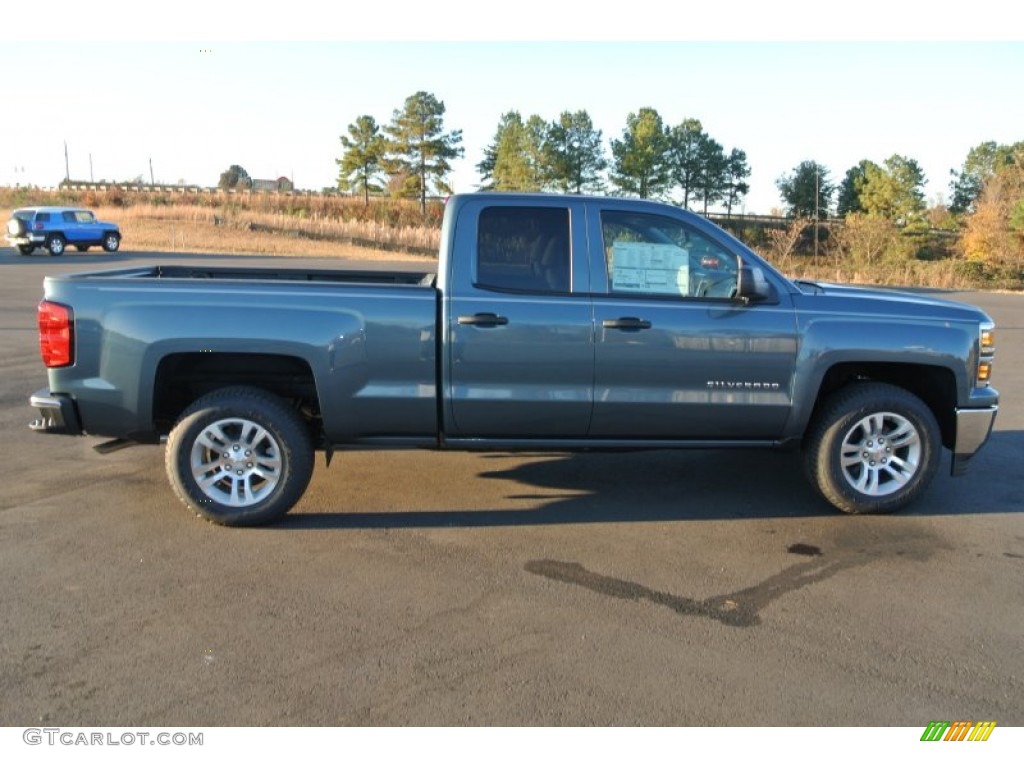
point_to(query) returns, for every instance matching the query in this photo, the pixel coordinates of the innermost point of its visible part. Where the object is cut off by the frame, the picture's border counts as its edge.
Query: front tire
(56, 245)
(111, 242)
(873, 448)
(239, 456)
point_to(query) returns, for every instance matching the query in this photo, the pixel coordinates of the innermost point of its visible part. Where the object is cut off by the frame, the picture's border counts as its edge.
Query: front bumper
(57, 414)
(973, 427)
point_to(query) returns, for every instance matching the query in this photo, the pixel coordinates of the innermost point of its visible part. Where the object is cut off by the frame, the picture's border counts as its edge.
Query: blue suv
(55, 228)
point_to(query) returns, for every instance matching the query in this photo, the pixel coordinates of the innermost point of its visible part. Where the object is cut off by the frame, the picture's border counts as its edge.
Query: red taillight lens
(37, 225)
(56, 337)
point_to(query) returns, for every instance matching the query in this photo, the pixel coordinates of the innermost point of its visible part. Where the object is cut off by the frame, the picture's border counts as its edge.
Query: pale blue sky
(278, 108)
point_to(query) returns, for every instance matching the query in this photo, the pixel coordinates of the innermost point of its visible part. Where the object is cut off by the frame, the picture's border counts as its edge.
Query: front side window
(523, 249)
(658, 256)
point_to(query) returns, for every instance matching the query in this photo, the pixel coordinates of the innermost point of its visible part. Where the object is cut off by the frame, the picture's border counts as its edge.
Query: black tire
(82, 248)
(891, 444)
(56, 245)
(234, 440)
(26, 250)
(111, 242)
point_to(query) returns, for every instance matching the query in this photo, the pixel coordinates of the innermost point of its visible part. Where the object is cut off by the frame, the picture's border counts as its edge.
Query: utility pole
(91, 179)
(816, 193)
(67, 171)
(151, 182)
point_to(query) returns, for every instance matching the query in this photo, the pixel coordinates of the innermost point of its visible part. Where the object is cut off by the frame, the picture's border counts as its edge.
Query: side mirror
(752, 285)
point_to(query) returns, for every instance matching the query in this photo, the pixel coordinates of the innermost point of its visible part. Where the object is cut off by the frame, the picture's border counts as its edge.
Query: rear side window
(523, 249)
(43, 217)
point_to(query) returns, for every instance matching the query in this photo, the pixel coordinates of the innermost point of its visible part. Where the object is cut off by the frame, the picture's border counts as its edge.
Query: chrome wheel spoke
(236, 462)
(880, 453)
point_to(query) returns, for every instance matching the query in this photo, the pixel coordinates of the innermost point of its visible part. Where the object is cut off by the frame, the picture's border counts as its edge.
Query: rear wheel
(55, 245)
(239, 456)
(26, 250)
(111, 242)
(873, 448)
(82, 248)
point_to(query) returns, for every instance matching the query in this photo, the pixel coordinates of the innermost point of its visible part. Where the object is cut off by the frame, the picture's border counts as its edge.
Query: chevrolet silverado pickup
(552, 322)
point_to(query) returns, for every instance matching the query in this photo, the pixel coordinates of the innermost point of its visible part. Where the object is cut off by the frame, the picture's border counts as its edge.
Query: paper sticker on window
(650, 268)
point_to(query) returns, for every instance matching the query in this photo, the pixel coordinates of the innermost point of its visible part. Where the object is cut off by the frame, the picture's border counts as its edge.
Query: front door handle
(627, 324)
(484, 319)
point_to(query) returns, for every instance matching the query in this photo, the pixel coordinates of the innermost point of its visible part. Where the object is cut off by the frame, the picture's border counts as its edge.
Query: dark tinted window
(68, 215)
(524, 249)
(42, 217)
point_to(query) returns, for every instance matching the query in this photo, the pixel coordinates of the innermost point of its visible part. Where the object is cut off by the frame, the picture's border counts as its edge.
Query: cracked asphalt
(419, 588)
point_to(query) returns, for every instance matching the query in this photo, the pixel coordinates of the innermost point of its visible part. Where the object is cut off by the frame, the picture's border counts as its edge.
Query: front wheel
(873, 448)
(111, 242)
(239, 456)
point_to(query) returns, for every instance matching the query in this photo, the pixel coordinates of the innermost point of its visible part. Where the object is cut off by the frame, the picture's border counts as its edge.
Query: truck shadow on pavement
(660, 486)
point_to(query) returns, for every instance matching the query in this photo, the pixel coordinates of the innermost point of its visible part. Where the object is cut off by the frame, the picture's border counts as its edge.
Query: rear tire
(82, 248)
(26, 250)
(239, 456)
(56, 245)
(873, 448)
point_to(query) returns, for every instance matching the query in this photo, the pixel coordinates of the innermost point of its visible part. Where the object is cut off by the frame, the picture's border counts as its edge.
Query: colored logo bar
(959, 730)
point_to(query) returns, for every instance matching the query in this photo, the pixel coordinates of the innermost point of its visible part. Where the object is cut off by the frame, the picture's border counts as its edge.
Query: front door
(676, 357)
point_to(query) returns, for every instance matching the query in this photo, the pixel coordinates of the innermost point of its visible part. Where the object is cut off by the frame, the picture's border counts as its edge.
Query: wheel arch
(182, 378)
(934, 384)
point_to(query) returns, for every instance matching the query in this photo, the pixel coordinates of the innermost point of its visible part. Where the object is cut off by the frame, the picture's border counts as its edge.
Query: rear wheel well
(181, 379)
(935, 385)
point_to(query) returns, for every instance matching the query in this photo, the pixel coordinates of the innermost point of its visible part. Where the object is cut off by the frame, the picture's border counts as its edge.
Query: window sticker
(650, 268)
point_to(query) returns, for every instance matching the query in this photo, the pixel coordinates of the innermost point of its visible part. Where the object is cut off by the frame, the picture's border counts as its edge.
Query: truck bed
(181, 272)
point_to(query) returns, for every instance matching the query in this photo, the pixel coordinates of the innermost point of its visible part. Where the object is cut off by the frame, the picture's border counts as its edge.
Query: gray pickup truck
(553, 322)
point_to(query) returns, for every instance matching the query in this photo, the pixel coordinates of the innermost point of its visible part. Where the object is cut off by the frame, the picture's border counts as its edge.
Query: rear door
(675, 356)
(70, 227)
(519, 320)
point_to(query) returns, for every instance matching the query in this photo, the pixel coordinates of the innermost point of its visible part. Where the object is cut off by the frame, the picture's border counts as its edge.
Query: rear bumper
(27, 239)
(973, 427)
(57, 414)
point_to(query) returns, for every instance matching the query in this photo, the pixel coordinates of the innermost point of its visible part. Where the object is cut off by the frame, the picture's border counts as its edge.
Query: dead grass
(197, 229)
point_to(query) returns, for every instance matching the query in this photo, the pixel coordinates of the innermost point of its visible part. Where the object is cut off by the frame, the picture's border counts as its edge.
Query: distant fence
(190, 189)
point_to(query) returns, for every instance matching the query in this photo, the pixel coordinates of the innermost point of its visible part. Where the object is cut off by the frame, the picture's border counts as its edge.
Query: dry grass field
(200, 229)
(329, 226)
(317, 226)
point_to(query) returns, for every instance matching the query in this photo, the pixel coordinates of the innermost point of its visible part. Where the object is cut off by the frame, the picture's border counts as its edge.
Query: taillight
(56, 334)
(37, 225)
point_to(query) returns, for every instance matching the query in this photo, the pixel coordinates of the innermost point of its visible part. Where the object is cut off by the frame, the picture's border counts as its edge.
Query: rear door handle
(627, 324)
(485, 319)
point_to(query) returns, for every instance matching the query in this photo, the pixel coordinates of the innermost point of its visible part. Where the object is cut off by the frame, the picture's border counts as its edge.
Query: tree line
(410, 156)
